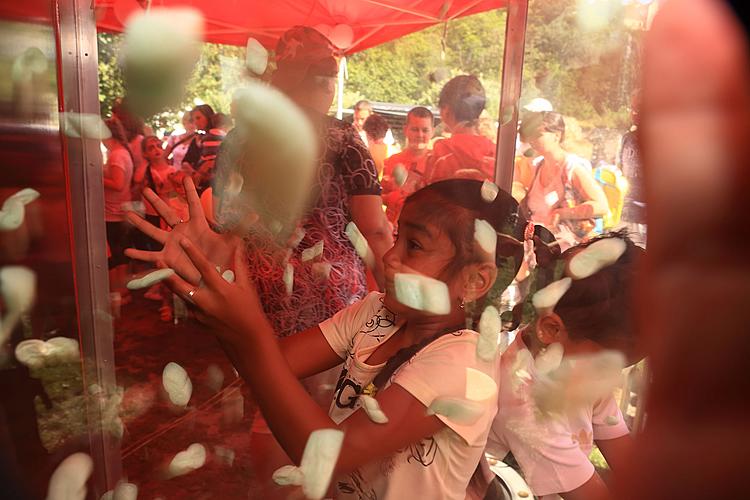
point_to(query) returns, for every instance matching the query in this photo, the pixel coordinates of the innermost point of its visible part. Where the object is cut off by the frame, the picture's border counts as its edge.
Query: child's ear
(479, 280)
(550, 329)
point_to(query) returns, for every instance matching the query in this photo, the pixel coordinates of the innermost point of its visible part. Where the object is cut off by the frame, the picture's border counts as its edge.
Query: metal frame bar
(79, 93)
(515, 44)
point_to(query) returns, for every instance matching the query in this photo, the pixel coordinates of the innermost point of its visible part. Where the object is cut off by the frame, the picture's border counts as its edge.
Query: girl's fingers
(142, 255)
(207, 269)
(165, 211)
(185, 290)
(147, 228)
(194, 202)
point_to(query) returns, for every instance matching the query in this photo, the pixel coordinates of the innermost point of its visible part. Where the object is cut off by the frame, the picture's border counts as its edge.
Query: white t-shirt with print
(552, 451)
(438, 467)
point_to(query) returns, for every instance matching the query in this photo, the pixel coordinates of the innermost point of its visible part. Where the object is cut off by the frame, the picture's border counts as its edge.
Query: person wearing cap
(346, 189)
(523, 167)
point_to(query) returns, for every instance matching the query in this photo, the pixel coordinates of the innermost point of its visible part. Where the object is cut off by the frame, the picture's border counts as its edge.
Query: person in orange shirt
(400, 183)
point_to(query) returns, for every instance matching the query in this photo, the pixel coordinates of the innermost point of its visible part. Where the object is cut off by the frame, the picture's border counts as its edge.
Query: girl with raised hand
(408, 358)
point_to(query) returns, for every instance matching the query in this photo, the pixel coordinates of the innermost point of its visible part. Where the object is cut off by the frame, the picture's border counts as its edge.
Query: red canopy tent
(353, 25)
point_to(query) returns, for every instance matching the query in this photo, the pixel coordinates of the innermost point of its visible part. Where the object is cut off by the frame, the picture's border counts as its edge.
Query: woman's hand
(229, 308)
(218, 247)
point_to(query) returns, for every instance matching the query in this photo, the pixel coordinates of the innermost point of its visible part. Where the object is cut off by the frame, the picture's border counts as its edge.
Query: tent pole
(340, 90)
(510, 92)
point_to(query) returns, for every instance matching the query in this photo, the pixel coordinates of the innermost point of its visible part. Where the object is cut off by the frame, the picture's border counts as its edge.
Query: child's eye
(414, 245)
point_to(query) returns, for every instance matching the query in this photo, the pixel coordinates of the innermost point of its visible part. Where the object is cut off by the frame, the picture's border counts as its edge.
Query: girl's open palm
(218, 248)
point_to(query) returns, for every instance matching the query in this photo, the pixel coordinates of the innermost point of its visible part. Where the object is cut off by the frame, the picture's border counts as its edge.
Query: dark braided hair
(452, 205)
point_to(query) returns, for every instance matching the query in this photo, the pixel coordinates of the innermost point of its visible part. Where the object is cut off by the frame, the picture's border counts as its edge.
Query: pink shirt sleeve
(607, 420)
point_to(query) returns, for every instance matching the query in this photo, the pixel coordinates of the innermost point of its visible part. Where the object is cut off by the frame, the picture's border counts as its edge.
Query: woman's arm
(116, 179)
(367, 214)
(617, 452)
(595, 201)
(593, 489)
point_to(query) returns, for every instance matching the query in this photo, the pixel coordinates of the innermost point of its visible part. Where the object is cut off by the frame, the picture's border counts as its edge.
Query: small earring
(462, 305)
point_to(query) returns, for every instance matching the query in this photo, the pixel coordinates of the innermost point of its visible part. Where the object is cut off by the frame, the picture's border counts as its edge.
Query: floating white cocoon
(612, 420)
(547, 298)
(225, 454)
(86, 125)
(18, 288)
(228, 276)
(595, 257)
(214, 377)
(361, 246)
(256, 57)
(288, 475)
(13, 212)
(288, 279)
(479, 385)
(31, 353)
(163, 35)
(177, 384)
(63, 349)
(321, 270)
(318, 461)
(150, 279)
(489, 329)
(296, 237)
(459, 410)
(549, 359)
(68, 482)
(314, 251)
(194, 457)
(400, 174)
(123, 491)
(422, 293)
(486, 236)
(372, 409)
(489, 191)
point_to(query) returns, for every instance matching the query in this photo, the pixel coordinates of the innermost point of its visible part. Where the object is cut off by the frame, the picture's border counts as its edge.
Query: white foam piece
(225, 454)
(595, 257)
(171, 36)
(63, 349)
(18, 291)
(547, 298)
(68, 482)
(479, 385)
(214, 377)
(458, 410)
(296, 237)
(361, 246)
(25, 196)
(288, 279)
(322, 270)
(612, 420)
(234, 184)
(550, 359)
(256, 58)
(578, 382)
(400, 174)
(313, 252)
(486, 236)
(228, 276)
(422, 293)
(551, 198)
(372, 409)
(177, 384)
(31, 353)
(86, 125)
(288, 475)
(489, 329)
(503, 341)
(489, 191)
(194, 457)
(123, 491)
(12, 215)
(150, 279)
(319, 460)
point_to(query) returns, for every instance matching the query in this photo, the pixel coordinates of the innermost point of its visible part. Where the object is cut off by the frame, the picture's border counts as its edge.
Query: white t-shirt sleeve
(551, 460)
(607, 420)
(340, 329)
(439, 370)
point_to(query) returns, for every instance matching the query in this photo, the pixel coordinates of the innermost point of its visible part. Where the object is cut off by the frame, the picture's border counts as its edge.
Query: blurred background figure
(362, 110)
(201, 116)
(418, 131)
(466, 153)
(375, 128)
(523, 167)
(634, 207)
(179, 141)
(563, 196)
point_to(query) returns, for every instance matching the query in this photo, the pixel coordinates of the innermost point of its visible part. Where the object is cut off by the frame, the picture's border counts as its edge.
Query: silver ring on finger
(177, 223)
(191, 293)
